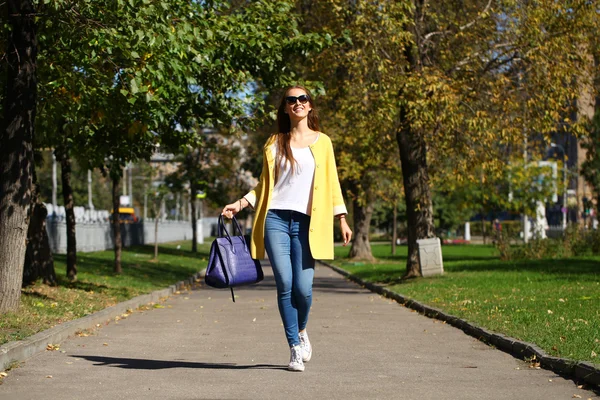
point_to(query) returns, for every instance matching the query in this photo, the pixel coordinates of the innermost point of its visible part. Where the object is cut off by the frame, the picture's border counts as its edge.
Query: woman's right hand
(231, 209)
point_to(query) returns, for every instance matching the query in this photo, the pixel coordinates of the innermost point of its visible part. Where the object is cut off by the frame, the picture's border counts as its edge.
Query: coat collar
(271, 140)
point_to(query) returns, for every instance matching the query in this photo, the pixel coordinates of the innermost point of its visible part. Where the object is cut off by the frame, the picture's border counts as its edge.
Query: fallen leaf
(52, 347)
(561, 300)
(48, 376)
(158, 306)
(69, 362)
(254, 320)
(104, 344)
(549, 380)
(3, 374)
(594, 353)
(550, 312)
(576, 396)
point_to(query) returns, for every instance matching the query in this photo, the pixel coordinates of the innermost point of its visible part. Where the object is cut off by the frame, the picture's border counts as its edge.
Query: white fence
(94, 232)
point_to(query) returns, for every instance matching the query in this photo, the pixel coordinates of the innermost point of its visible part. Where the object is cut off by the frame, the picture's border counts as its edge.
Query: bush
(510, 228)
(575, 242)
(582, 242)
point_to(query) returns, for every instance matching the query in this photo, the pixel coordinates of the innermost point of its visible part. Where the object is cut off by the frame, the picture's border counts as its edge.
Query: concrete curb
(15, 352)
(577, 370)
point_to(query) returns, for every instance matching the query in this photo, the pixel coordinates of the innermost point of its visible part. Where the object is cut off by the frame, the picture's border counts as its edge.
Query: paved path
(203, 346)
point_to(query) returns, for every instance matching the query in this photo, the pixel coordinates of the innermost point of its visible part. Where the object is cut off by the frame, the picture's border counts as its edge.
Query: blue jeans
(286, 243)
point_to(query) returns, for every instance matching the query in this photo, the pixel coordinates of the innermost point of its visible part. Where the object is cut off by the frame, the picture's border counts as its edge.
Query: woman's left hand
(346, 231)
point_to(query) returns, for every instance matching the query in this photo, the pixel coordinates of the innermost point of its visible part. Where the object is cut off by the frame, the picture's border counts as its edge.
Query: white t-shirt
(294, 191)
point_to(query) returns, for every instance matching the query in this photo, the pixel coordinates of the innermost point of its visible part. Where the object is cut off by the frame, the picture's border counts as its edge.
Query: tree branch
(463, 27)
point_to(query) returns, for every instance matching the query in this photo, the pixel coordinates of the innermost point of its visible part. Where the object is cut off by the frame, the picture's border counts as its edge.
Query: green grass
(552, 303)
(98, 286)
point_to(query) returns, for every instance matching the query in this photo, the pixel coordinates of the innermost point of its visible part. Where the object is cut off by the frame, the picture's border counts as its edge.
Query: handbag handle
(222, 228)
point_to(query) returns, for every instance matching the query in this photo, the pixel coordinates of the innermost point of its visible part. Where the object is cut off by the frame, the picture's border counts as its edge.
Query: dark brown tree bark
(62, 155)
(16, 148)
(39, 262)
(193, 189)
(361, 246)
(419, 208)
(483, 232)
(116, 223)
(394, 228)
(157, 216)
(413, 157)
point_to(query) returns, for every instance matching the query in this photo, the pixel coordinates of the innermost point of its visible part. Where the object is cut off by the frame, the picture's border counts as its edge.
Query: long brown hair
(284, 125)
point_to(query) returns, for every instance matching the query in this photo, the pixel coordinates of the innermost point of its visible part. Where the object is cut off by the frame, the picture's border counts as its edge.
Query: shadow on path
(138, 363)
(320, 284)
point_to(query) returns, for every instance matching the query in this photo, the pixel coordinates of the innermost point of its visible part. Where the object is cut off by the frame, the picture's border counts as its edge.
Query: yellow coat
(327, 200)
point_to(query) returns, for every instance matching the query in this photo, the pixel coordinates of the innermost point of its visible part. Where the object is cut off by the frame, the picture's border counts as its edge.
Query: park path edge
(580, 371)
(14, 353)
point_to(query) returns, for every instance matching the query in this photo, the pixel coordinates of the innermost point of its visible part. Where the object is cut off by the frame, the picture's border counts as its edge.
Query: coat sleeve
(251, 195)
(337, 199)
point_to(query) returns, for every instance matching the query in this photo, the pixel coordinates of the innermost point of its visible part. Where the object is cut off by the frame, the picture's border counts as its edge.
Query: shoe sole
(307, 359)
(296, 368)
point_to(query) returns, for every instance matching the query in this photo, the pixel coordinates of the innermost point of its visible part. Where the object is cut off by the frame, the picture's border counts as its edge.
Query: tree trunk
(67, 189)
(419, 208)
(116, 225)
(361, 247)
(413, 157)
(194, 222)
(156, 219)
(16, 148)
(39, 262)
(395, 228)
(483, 226)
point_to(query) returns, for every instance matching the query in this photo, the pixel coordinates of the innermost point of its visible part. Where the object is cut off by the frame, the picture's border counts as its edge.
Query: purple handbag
(230, 263)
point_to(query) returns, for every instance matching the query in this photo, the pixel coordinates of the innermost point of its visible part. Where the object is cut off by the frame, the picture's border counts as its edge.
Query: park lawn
(552, 303)
(98, 287)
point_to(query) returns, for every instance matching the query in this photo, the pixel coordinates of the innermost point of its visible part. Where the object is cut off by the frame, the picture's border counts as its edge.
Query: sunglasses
(303, 99)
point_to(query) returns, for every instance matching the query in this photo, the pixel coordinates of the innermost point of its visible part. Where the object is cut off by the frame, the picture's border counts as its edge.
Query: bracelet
(241, 207)
(343, 216)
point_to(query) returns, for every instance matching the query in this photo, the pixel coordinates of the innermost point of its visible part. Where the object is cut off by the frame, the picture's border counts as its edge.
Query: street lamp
(564, 160)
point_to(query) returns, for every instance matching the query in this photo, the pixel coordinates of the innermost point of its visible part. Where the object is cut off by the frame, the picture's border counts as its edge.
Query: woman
(297, 196)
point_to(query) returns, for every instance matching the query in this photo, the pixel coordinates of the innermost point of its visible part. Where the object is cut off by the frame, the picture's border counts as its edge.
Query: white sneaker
(296, 363)
(306, 347)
